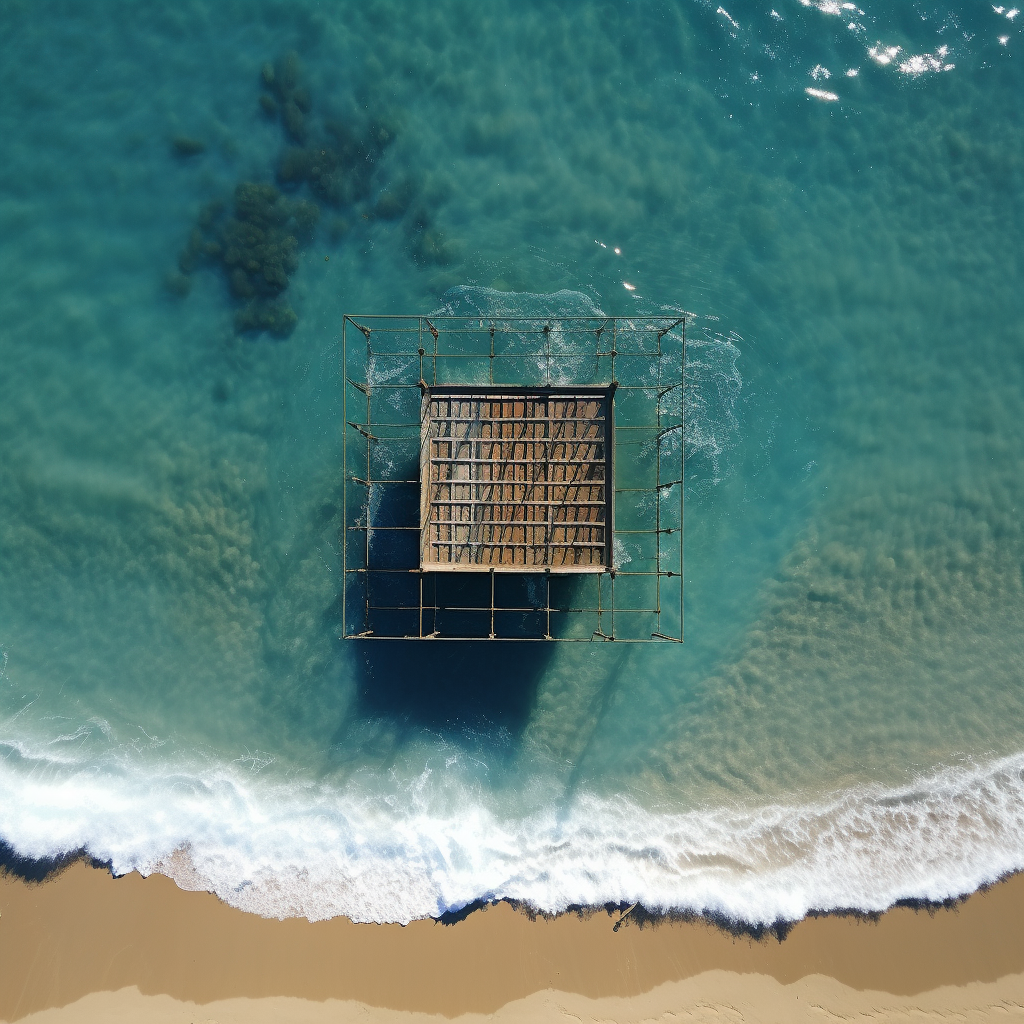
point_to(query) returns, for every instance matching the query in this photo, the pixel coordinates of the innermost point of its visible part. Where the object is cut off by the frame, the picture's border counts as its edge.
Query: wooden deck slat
(515, 477)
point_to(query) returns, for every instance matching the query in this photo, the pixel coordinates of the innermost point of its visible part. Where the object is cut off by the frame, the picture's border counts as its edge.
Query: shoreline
(83, 939)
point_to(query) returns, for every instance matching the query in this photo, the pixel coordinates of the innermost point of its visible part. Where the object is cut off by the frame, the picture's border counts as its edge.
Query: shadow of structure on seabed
(447, 684)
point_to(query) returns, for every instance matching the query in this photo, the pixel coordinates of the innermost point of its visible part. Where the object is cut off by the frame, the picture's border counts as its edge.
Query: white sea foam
(713, 379)
(285, 849)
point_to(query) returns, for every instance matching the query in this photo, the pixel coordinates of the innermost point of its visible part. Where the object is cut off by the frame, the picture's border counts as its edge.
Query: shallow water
(843, 726)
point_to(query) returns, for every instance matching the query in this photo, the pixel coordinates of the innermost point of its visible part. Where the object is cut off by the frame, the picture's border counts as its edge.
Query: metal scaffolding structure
(513, 478)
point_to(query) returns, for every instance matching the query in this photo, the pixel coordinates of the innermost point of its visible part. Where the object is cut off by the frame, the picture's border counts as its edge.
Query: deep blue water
(835, 195)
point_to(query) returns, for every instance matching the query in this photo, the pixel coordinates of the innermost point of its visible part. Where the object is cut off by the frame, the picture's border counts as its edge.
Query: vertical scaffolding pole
(369, 487)
(344, 475)
(547, 603)
(682, 474)
(492, 603)
(657, 496)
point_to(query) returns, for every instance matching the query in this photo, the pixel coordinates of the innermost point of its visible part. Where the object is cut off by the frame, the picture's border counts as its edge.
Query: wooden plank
(515, 477)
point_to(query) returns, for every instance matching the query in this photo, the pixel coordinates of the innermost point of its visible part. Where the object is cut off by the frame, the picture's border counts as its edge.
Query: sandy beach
(87, 947)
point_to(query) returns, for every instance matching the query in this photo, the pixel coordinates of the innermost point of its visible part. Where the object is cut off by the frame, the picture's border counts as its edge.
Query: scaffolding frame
(638, 361)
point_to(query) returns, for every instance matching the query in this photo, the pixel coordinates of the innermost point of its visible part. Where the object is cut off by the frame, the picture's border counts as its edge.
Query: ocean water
(835, 194)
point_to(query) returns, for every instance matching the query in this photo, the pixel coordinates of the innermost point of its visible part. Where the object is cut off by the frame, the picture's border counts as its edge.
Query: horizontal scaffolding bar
(498, 608)
(497, 545)
(442, 460)
(520, 570)
(515, 419)
(384, 480)
(513, 639)
(518, 504)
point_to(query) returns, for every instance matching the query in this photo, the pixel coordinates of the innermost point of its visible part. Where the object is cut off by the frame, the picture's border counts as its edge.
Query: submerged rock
(276, 318)
(287, 96)
(394, 201)
(339, 166)
(184, 146)
(256, 242)
(339, 163)
(257, 247)
(259, 251)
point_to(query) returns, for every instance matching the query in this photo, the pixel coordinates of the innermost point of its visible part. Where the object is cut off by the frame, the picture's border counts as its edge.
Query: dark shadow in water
(635, 915)
(42, 869)
(449, 685)
(441, 684)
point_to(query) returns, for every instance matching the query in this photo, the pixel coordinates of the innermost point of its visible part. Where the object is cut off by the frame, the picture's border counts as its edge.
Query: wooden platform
(516, 479)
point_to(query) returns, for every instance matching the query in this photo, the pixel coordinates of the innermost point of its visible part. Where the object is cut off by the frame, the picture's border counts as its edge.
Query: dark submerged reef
(257, 244)
(339, 165)
(185, 146)
(257, 247)
(287, 95)
(337, 161)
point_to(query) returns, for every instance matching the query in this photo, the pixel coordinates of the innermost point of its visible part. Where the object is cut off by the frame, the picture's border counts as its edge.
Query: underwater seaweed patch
(337, 161)
(186, 146)
(256, 244)
(257, 247)
(339, 166)
(288, 97)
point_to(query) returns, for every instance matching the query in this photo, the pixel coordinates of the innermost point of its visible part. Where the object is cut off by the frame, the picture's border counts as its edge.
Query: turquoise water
(844, 726)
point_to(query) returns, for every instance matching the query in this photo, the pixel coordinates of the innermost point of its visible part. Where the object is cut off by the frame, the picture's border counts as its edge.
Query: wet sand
(84, 946)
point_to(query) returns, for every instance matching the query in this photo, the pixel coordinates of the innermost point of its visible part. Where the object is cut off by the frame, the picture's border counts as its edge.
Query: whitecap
(301, 849)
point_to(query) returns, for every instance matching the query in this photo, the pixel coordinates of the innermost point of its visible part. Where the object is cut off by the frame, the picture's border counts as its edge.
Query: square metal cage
(515, 478)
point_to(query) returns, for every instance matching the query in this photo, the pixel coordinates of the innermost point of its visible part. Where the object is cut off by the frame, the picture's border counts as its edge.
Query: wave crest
(286, 849)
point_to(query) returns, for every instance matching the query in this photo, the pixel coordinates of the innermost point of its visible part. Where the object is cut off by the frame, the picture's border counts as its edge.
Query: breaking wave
(285, 849)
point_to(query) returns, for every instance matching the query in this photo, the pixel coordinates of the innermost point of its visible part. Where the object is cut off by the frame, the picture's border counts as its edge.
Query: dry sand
(87, 947)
